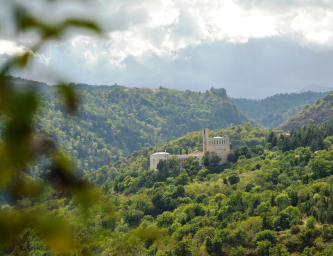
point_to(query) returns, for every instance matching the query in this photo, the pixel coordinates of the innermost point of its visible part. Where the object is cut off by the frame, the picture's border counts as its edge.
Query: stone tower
(205, 137)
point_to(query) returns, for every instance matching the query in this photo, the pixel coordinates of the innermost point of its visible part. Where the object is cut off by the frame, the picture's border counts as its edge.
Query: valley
(273, 195)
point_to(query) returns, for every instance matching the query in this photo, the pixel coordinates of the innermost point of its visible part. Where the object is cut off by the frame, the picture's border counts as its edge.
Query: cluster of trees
(275, 109)
(267, 202)
(308, 136)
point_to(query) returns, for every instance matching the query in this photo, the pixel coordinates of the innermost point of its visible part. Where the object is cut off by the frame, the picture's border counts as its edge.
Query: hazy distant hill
(318, 113)
(22, 83)
(315, 88)
(274, 110)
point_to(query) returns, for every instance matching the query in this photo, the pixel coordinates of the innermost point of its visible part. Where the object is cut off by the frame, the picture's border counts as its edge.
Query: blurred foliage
(21, 144)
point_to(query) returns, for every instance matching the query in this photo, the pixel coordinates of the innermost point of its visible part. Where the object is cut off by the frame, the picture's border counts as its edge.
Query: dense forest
(112, 122)
(274, 110)
(275, 199)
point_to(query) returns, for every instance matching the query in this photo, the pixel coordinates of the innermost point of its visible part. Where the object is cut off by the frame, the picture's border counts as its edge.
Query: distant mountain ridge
(316, 88)
(318, 113)
(274, 110)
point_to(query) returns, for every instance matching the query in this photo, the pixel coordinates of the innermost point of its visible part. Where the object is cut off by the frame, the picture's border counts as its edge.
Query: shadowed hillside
(274, 110)
(318, 113)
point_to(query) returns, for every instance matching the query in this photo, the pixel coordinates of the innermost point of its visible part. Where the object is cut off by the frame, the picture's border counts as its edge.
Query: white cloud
(165, 27)
(10, 48)
(315, 26)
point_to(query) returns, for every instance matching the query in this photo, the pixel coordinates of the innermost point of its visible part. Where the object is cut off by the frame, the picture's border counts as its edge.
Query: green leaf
(69, 96)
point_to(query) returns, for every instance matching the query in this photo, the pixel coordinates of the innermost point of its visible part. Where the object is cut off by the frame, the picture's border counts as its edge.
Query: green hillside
(273, 197)
(114, 121)
(138, 161)
(266, 201)
(274, 110)
(317, 114)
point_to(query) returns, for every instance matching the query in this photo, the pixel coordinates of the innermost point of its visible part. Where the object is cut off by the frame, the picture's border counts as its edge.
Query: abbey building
(220, 145)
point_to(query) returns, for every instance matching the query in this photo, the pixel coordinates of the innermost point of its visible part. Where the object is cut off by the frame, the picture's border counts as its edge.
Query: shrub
(264, 235)
(310, 223)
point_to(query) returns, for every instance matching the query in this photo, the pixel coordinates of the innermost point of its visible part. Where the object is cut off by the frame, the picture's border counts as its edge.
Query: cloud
(10, 48)
(243, 45)
(165, 27)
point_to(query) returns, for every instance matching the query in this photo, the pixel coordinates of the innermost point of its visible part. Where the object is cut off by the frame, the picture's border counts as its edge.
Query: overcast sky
(253, 48)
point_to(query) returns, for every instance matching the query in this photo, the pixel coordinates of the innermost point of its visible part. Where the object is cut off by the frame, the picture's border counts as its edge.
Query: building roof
(195, 153)
(217, 137)
(160, 153)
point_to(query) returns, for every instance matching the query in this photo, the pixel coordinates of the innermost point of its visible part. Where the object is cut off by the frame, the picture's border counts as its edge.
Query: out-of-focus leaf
(70, 97)
(11, 225)
(85, 195)
(18, 132)
(20, 145)
(25, 187)
(62, 172)
(25, 21)
(82, 23)
(5, 170)
(58, 235)
(22, 60)
(3, 89)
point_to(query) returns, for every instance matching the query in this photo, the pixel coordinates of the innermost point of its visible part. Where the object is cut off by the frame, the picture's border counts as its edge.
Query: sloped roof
(160, 153)
(195, 153)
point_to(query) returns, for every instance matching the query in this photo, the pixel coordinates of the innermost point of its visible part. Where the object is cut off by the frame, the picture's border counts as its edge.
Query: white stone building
(220, 145)
(158, 157)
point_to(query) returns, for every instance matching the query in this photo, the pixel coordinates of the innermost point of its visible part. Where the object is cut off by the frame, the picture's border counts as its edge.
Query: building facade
(158, 157)
(220, 145)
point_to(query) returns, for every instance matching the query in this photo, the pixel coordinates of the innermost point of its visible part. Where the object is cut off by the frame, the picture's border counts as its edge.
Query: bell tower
(205, 137)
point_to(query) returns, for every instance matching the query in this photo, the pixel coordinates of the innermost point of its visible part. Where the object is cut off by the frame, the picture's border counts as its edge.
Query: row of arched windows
(217, 142)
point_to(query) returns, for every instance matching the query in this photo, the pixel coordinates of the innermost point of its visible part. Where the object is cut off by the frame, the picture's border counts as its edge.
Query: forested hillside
(274, 110)
(317, 114)
(138, 161)
(114, 121)
(273, 200)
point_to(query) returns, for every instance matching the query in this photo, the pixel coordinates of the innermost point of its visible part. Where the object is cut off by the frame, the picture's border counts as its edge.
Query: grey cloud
(187, 49)
(257, 69)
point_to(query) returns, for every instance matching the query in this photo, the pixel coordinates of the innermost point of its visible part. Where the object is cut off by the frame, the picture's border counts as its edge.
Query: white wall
(155, 159)
(221, 146)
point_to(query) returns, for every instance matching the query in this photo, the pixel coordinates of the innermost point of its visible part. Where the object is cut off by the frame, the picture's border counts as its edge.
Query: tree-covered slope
(268, 201)
(318, 113)
(274, 110)
(138, 161)
(114, 121)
